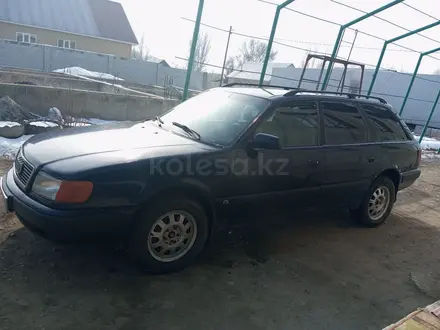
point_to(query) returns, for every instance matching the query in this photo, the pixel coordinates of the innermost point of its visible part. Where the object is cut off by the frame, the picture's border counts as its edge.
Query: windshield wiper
(188, 130)
(157, 118)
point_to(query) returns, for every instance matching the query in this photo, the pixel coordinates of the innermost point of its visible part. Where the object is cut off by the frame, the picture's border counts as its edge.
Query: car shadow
(281, 268)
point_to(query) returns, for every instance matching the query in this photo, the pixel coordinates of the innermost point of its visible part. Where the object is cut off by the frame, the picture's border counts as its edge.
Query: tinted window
(386, 122)
(343, 123)
(296, 124)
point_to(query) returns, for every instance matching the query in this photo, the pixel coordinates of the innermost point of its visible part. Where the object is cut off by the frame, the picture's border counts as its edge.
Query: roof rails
(293, 91)
(349, 95)
(257, 85)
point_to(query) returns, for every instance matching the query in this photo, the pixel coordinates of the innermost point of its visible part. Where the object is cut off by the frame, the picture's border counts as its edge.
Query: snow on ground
(78, 71)
(428, 143)
(430, 155)
(9, 124)
(9, 147)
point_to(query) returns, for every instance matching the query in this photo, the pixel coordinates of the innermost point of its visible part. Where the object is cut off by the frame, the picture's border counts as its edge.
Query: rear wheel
(169, 235)
(377, 204)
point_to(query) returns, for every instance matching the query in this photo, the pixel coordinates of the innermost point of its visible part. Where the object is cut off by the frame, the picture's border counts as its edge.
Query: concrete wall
(48, 37)
(49, 58)
(44, 79)
(85, 103)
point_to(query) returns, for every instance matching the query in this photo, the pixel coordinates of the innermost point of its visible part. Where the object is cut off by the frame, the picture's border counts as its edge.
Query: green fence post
(416, 70)
(272, 36)
(193, 50)
(429, 118)
(419, 61)
(379, 62)
(341, 32)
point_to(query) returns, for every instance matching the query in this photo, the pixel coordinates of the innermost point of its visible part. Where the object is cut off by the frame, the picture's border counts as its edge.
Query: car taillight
(419, 157)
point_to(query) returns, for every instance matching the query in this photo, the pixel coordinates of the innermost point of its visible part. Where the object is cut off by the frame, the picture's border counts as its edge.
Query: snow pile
(55, 115)
(9, 147)
(78, 71)
(9, 124)
(43, 124)
(428, 143)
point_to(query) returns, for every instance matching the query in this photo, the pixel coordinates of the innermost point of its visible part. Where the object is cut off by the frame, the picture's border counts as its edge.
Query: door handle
(371, 159)
(313, 162)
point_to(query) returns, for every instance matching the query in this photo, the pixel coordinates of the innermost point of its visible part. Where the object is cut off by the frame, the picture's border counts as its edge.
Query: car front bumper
(64, 225)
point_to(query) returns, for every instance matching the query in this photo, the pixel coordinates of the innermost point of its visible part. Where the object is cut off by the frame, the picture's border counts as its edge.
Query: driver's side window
(295, 124)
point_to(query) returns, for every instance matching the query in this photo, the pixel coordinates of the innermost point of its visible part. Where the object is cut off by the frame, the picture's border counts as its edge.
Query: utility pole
(226, 55)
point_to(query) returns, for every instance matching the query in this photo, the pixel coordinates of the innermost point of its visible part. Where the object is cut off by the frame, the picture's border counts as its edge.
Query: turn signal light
(74, 192)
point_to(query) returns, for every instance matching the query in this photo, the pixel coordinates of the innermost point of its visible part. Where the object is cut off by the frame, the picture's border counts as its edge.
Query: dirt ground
(311, 271)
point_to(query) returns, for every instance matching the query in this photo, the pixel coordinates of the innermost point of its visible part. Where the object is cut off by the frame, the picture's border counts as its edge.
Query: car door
(347, 153)
(291, 173)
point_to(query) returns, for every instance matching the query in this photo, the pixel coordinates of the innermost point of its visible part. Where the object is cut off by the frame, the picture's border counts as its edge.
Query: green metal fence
(341, 33)
(413, 77)
(390, 41)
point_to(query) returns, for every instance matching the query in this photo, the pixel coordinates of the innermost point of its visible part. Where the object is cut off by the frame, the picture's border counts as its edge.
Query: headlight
(61, 191)
(46, 186)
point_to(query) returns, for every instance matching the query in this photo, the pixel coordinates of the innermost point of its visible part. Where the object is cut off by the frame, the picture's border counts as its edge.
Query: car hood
(54, 146)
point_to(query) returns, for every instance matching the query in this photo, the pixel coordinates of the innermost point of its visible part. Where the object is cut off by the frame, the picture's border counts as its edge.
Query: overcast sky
(167, 35)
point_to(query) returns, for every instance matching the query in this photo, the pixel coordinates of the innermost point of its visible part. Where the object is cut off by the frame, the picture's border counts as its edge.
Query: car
(166, 185)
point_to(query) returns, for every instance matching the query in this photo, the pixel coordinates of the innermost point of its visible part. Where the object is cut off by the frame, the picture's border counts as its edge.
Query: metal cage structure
(331, 60)
(328, 61)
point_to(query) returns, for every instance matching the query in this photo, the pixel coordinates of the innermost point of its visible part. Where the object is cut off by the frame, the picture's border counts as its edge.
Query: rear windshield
(388, 125)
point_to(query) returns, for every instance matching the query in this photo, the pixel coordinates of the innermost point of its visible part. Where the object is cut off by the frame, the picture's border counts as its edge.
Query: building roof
(96, 18)
(158, 61)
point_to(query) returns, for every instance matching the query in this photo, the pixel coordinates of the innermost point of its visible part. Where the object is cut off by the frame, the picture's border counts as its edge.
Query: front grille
(23, 169)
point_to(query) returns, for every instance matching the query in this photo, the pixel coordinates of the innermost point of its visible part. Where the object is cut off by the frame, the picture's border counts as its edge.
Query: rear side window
(388, 126)
(343, 123)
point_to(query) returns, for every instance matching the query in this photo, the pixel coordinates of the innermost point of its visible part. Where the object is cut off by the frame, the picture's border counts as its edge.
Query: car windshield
(218, 117)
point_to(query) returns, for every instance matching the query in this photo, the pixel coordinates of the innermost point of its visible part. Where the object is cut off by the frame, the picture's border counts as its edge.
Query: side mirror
(265, 141)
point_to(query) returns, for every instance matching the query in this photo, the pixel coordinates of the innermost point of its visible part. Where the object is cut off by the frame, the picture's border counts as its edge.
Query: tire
(153, 236)
(367, 214)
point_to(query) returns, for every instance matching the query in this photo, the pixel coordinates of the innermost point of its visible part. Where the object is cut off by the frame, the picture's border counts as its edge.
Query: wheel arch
(190, 190)
(394, 175)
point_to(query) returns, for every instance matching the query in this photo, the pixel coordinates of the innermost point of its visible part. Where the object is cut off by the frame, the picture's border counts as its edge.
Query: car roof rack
(257, 85)
(349, 95)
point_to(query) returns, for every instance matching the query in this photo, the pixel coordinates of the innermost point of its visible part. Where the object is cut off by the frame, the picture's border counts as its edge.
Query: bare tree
(230, 65)
(254, 51)
(201, 54)
(141, 52)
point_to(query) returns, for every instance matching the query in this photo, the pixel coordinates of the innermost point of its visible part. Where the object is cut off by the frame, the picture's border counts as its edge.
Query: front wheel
(169, 235)
(377, 204)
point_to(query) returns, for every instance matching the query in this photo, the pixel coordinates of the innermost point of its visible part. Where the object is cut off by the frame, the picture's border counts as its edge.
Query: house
(158, 61)
(250, 72)
(99, 26)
